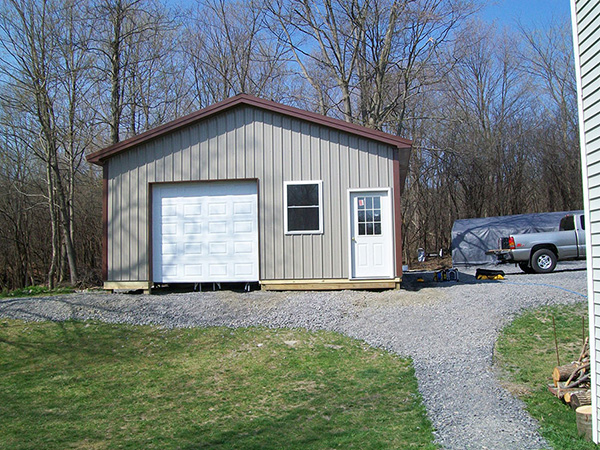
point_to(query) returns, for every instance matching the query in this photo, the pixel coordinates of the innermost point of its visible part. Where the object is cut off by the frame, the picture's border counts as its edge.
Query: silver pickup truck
(539, 252)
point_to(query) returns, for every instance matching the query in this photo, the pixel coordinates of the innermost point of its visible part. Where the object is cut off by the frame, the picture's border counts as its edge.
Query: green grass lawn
(94, 386)
(527, 353)
(32, 291)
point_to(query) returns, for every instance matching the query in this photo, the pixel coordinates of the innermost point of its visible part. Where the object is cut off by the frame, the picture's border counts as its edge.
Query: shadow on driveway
(411, 280)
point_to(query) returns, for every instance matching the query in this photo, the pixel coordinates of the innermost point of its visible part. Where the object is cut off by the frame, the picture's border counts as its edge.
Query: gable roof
(101, 156)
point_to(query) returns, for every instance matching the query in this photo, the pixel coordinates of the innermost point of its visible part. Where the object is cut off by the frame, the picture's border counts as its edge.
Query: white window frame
(319, 183)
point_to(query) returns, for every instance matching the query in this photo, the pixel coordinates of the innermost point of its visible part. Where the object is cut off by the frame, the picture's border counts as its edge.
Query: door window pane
(369, 215)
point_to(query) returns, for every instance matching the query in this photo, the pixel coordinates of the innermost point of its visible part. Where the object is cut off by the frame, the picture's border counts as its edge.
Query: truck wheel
(525, 267)
(543, 261)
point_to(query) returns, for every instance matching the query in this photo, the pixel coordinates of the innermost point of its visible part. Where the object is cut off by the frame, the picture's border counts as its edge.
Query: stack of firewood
(572, 381)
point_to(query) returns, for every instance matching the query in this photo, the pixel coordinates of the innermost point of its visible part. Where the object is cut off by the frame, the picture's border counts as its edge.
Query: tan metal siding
(247, 142)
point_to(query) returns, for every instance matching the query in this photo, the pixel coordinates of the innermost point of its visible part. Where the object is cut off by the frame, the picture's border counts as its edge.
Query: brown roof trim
(100, 156)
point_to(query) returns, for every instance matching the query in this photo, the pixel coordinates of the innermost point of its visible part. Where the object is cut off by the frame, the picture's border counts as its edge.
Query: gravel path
(449, 329)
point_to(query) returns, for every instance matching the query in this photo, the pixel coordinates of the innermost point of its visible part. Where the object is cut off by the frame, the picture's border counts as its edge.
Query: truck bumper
(508, 256)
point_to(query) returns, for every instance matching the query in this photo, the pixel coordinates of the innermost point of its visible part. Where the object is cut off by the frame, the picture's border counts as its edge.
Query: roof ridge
(100, 156)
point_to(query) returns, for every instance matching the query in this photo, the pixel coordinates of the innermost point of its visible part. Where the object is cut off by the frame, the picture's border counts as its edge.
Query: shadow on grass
(70, 339)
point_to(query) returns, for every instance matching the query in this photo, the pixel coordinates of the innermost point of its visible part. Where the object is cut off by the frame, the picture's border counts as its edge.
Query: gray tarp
(471, 238)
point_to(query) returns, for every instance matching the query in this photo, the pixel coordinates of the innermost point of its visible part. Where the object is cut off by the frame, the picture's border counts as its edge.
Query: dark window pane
(369, 216)
(369, 202)
(303, 194)
(377, 215)
(567, 223)
(361, 216)
(303, 219)
(369, 228)
(376, 203)
(377, 228)
(361, 229)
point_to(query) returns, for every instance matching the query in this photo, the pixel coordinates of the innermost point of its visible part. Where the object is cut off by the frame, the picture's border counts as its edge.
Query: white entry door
(205, 232)
(371, 240)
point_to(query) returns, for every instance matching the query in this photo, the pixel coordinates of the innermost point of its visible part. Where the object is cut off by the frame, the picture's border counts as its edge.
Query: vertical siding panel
(296, 256)
(250, 143)
(195, 161)
(118, 210)
(383, 159)
(166, 148)
(269, 240)
(159, 162)
(306, 173)
(328, 235)
(204, 156)
(126, 219)
(112, 193)
(186, 155)
(239, 148)
(277, 230)
(354, 159)
(133, 236)
(296, 151)
(337, 199)
(229, 150)
(373, 157)
(345, 184)
(222, 147)
(288, 242)
(143, 219)
(259, 173)
(363, 149)
(316, 239)
(213, 150)
(178, 155)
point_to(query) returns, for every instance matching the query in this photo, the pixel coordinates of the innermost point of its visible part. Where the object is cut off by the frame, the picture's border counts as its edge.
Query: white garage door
(205, 232)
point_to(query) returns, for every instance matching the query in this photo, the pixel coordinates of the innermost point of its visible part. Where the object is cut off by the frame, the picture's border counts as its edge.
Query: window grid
(369, 215)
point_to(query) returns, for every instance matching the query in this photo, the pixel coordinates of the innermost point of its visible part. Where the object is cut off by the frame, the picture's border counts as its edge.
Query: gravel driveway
(449, 329)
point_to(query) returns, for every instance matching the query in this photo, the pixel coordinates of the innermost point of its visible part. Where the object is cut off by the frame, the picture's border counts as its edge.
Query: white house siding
(246, 142)
(586, 37)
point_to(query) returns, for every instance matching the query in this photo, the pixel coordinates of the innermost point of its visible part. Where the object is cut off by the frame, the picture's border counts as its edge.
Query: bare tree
(230, 51)
(32, 33)
(378, 52)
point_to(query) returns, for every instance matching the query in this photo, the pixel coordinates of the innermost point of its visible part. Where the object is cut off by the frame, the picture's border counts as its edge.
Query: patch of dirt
(516, 389)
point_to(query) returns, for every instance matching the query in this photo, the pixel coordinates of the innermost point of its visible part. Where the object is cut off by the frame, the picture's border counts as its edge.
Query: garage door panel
(192, 210)
(205, 232)
(242, 270)
(215, 227)
(217, 248)
(242, 208)
(240, 227)
(217, 209)
(192, 228)
(218, 270)
(193, 249)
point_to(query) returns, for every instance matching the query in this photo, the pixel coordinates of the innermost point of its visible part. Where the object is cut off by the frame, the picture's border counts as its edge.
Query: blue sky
(531, 13)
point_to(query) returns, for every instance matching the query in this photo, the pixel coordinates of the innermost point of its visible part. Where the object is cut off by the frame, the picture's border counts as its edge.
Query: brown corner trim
(105, 222)
(397, 214)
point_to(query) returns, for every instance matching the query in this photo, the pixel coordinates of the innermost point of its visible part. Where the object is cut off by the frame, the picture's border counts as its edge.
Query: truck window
(567, 223)
(582, 219)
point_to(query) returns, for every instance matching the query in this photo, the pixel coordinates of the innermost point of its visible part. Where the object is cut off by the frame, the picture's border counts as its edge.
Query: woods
(492, 112)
